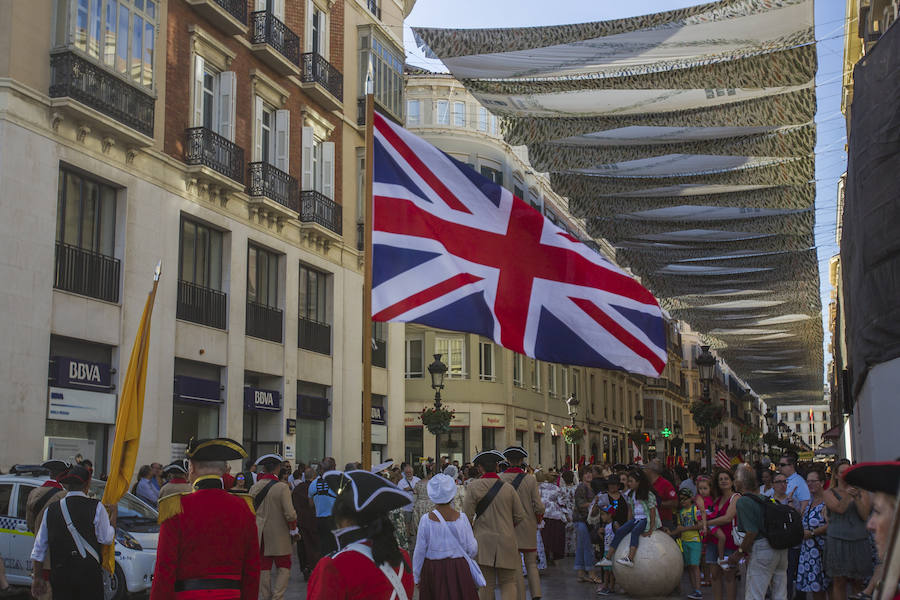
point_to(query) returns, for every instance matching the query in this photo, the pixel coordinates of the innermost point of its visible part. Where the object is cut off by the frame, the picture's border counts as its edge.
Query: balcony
(313, 335)
(273, 192)
(264, 322)
(214, 159)
(321, 219)
(322, 81)
(100, 99)
(653, 382)
(86, 273)
(274, 43)
(230, 16)
(202, 305)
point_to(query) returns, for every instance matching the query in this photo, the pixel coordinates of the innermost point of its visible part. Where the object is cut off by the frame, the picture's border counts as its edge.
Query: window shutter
(282, 139)
(257, 128)
(328, 169)
(307, 34)
(306, 158)
(199, 65)
(278, 10)
(227, 95)
(260, 5)
(324, 34)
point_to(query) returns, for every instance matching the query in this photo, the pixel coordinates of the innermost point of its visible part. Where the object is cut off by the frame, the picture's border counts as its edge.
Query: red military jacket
(349, 575)
(206, 534)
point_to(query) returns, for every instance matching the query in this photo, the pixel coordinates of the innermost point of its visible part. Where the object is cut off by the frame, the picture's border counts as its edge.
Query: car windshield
(129, 506)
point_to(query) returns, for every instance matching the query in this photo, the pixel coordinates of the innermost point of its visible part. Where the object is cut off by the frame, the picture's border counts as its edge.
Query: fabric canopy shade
(686, 139)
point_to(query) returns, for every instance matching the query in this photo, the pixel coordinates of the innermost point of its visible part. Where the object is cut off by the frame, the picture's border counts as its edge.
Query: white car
(137, 533)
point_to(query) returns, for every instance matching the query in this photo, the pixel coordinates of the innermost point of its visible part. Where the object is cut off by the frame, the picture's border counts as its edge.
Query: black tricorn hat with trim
(875, 476)
(177, 466)
(371, 493)
(55, 465)
(76, 474)
(514, 451)
(488, 457)
(215, 449)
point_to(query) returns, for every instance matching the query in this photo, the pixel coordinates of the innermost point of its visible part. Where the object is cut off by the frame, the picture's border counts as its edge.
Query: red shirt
(214, 537)
(664, 491)
(349, 576)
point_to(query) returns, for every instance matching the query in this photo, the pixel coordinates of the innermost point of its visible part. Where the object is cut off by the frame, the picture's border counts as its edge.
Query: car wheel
(114, 587)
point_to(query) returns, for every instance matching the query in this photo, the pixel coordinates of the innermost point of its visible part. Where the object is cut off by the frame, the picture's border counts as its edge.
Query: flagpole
(367, 277)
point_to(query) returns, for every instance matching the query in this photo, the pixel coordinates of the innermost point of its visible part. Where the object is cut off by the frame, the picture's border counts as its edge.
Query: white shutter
(260, 5)
(278, 10)
(257, 128)
(324, 34)
(328, 169)
(227, 95)
(282, 139)
(306, 158)
(198, 90)
(307, 34)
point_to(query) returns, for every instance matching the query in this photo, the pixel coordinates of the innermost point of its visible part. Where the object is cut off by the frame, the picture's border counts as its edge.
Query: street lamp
(572, 407)
(677, 441)
(437, 370)
(706, 365)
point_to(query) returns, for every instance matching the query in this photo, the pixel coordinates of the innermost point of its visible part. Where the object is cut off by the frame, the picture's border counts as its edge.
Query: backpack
(782, 524)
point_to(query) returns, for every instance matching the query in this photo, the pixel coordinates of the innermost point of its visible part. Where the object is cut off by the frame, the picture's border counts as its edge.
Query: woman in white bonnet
(442, 562)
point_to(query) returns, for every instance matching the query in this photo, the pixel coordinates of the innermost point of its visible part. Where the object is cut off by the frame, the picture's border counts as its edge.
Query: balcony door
(214, 97)
(316, 29)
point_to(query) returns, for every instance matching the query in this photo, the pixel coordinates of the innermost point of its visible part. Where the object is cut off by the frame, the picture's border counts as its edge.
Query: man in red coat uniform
(208, 546)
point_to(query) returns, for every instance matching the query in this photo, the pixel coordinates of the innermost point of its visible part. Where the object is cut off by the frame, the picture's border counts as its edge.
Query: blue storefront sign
(378, 415)
(80, 374)
(259, 399)
(194, 389)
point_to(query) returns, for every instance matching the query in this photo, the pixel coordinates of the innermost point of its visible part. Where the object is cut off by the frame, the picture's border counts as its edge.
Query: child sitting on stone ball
(643, 518)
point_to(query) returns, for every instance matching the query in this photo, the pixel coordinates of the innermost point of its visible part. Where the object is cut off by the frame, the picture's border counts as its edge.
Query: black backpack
(782, 524)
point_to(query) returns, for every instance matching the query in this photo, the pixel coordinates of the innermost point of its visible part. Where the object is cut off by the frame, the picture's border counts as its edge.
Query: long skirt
(554, 537)
(447, 579)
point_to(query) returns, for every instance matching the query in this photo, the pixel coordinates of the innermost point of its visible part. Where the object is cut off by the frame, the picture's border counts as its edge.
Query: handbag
(736, 536)
(477, 575)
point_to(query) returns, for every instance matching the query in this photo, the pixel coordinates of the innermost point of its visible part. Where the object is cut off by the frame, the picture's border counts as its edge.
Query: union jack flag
(454, 250)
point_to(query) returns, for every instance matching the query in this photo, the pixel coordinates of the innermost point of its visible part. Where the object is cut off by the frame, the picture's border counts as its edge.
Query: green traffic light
(666, 432)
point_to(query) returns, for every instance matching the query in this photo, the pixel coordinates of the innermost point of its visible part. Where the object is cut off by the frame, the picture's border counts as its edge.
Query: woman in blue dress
(810, 570)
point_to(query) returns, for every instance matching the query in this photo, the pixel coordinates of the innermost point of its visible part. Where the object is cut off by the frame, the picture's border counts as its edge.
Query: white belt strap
(84, 547)
(395, 578)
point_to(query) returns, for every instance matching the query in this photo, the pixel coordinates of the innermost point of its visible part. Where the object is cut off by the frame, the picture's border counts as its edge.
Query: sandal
(860, 596)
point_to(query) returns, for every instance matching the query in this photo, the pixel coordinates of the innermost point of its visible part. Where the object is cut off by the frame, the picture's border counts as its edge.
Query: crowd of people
(466, 531)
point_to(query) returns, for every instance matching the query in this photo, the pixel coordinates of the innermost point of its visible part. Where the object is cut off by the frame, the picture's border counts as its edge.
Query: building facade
(213, 137)
(807, 421)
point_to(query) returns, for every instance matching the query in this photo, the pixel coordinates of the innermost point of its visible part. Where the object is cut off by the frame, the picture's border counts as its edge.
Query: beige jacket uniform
(275, 518)
(495, 530)
(33, 518)
(526, 531)
(175, 488)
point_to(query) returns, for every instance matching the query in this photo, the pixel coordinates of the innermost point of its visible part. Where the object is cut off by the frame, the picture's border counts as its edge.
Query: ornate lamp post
(572, 406)
(706, 365)
(677, 441)
(437, 370)
(638, 423)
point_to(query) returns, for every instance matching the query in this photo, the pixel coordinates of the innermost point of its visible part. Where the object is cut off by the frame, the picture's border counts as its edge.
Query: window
(262, 276)
(271, 135)
(316, 29)
(318, 164)
(797, 416)
(387, 68)
(201, 255)
(313, 298)
(6, 497)
(22, 502)
(494, 175)
(536, 375)
(576, 376)
(486, 361)
(459, 114)
(564, 380)
(453, 353)
(551, 379)
(442, 112)
(488, 438)
(379, 344)
(86, 213)
(517, 369)
(493, 125)
(120, 33)
(415, 349)
(214, 94)
(413, 112)
(482, 119)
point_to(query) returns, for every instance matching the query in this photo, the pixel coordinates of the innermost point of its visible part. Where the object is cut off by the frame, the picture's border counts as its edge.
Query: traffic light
(646, 437)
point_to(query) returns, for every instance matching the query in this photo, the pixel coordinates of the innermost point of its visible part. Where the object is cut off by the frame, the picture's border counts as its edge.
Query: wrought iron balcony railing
(318, 70)
(314, 335)
(236, 8)
(200, 304)
(264, 322)
(208, 148)
(78, 78)
(86, 272)
(266, 28)
(273, 183)
(315, 207)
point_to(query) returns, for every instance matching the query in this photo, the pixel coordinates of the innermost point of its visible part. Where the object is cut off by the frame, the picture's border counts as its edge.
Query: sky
(831, 156)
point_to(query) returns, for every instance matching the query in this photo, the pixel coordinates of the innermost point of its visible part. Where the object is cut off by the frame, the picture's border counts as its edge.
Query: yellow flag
(128, 419)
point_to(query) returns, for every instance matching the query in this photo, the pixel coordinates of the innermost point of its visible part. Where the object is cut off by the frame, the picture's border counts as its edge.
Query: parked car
(137, 533)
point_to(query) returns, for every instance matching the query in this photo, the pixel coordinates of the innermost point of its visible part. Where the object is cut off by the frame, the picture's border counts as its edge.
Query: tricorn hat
(372, 493)
(488, 457)
(875, 476)
(269, 460)
(515, 451)
(55, 465)
(177, 466)
(76, 474)
(215, 449)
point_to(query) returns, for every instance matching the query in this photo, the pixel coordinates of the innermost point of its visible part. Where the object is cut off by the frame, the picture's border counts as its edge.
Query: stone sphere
(657, 566)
